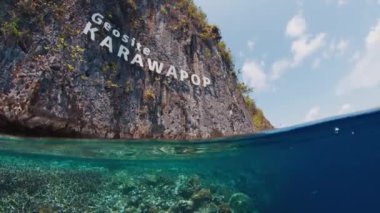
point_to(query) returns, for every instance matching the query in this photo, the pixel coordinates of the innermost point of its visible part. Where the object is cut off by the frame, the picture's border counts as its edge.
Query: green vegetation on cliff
(257, 116)
(212, 33)
(197, 18)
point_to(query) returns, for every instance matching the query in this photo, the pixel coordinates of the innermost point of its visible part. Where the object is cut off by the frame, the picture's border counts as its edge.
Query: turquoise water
(332, 166)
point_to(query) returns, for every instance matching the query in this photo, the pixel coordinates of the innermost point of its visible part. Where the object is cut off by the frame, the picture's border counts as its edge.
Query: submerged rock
(201, 196)
(184, 206)
(151, 179)
(209, 208)
(186, 188)
(224, 208)
(241, 203)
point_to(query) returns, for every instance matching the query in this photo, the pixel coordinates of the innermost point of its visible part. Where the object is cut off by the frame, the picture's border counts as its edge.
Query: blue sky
(306, 60)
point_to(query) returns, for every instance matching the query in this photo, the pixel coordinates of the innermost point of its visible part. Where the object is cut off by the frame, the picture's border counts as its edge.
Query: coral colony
(47, 186)
(137, 59)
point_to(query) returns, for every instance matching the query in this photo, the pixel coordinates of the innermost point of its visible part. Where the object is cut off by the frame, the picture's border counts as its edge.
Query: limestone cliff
(57, 79)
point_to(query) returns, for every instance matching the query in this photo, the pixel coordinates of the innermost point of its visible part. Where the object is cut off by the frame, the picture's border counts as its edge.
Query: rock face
(57, 81)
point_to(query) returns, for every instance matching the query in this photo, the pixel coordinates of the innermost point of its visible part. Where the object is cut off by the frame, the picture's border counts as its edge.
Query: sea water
(331, 166)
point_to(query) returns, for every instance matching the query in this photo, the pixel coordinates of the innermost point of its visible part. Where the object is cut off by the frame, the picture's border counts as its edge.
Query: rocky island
(163, 73)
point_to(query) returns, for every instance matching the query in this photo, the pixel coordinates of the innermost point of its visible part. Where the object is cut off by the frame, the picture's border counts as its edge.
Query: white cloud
(346, 108)
(254, 76)
(342, 45)
(313, 114)
(336, 48)
(251, 45)
(279, 67)
(366, 71)
(373, 38)
(296, 26)
(342, 2)
(304, 47)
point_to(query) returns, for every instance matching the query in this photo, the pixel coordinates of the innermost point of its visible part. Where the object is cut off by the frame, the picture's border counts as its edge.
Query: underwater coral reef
(65, 186)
